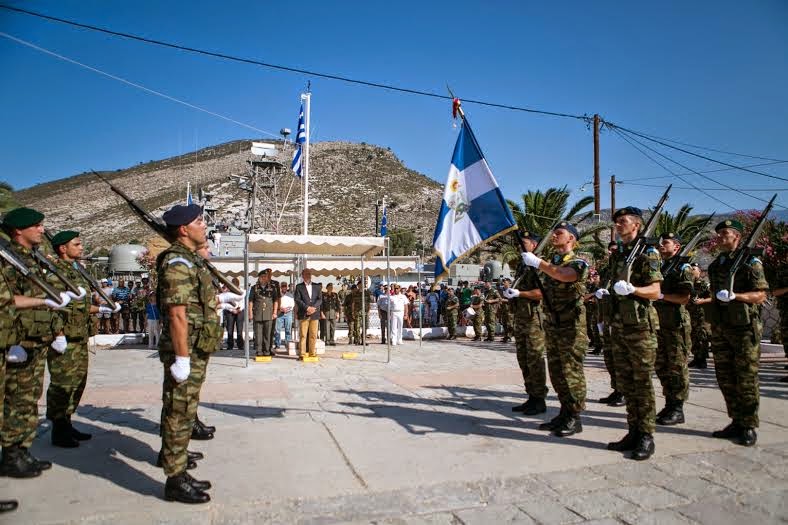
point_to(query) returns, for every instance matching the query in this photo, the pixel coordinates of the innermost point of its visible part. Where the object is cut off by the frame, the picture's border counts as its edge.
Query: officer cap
(180, 215)
(506, 280)
(568, 226)
(63, 237)
(629, 210)
(695, 265)
(730, 223)
(531, 235)
(670, 235)
(329, 285)
(22, 218)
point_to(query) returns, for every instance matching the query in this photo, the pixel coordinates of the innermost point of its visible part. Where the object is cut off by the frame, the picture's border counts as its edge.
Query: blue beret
(534, 237)
(180, 215)
(568, 226)
(63, 237)
(629, 210)
(22, 218)
(670, 235)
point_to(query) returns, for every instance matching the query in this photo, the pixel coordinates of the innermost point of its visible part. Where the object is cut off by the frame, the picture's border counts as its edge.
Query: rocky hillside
(345, 181)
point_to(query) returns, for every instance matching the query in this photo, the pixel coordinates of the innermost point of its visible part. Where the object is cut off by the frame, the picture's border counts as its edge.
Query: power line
(280, 67)
(707, 171)
(697, 188)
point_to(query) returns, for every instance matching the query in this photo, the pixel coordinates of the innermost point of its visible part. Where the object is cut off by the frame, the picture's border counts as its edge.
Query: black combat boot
(731, 431)
(207, 428)
(200, 485)
(14, 463)
(668, 406)
(506, 339)
(674, 416)
(61, 434)
(520, 407)
(477, 338)
(191, 462)
(645, 447)
(628, 442)
(570, 425)
(179, 488)
(76, 434)
(748, 437)
(556, 421)
(194, 456)
(8, 505)
(199, 434)
(40, 464)
(535, 405)
(697, 362)
(614, 397)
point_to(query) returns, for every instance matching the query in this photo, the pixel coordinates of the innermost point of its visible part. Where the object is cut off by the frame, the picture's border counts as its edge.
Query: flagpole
(306, 97)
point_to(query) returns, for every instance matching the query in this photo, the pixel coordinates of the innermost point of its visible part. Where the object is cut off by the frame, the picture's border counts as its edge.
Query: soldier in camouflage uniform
(673, 337)
(505, 312)
(138, 300)
(592, 312)
(191, 332)
(634, 324)
(604, 316)
(779, 290)
(452, 310)
(700, 334)
(68, 371)
(528, 332)
(566, 341)
(37, 329)
(736, 329)
(263, 309)
(353, 314)
(329, 310)
(491, 301)
(477, 303)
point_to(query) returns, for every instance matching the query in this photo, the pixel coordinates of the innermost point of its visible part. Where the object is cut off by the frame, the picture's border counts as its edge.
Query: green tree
(402, 241)
(7, 200)
(681, 223)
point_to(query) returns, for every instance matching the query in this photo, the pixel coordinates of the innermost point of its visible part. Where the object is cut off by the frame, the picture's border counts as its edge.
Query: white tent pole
(307, 98)
(246, 299)
(363, 287)
(388, 299)
(421, 300)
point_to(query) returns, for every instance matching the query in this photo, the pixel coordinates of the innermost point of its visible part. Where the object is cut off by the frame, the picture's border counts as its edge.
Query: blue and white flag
(299, 140)
(189, 200)
(384, 224)
(473, 209)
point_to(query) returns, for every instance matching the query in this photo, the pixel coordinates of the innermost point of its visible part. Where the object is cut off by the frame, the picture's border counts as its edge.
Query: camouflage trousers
(490, 323)
(737, 352)
(478, 322)
(179, 409)
(24, 383)
(607, 354)
(566, 349)
(68, 374)
(591, 327)
(673, 347)
(2, 385)
(354, 328)
(451, 322)
(701, 339)
(634, 354)
(507, 322)
(529, 342)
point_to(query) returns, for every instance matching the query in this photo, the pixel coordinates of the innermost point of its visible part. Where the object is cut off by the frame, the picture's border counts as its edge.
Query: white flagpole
(306, 97)
(188, 190)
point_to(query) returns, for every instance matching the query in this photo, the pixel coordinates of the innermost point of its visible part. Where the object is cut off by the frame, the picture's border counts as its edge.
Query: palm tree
(681, 223)
(7, 200)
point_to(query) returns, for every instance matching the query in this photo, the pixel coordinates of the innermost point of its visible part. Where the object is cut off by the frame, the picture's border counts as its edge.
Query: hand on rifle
(725, 296)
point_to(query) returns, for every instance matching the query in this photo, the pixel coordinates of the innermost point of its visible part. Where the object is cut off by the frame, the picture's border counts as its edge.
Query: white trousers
(154, 331)
(396, 327)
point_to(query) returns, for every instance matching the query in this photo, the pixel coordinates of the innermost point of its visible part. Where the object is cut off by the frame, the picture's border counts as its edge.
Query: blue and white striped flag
(299, 140)
(384, 224)
(473, 209)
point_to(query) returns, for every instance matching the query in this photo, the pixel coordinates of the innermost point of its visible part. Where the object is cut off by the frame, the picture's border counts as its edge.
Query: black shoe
(199, 434)
(207, 428)
(490, 340)
(607, 398)
(628, 442)
(571, 425)
(79, 436)
(40, 464)
(664, 410)
(731, 431)
(8, 505)
(555, 422)
(519, 408)
(477, 338)
(15, 463)
(505, 340)
(697, 362)
(200, 485)
(617, 400)
(748, 437)
(191, 463)
(534, 405)
(674, 416)
(179, 488)
(645, 447)
(194, 456)
(596, 351)
(61, 434)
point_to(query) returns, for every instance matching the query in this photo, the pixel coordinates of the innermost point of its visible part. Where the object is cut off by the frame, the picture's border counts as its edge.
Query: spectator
(397, 306)
(153, 321)
(383, 313)
(284, 319)
(234, 321)
(122, 296)
(433, 300)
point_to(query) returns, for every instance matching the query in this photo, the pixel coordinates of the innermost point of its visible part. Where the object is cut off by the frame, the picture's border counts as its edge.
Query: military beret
(22, 218)
(63, 237)
(629, 210)
(695, 265)
(730, 223)
(532, 236)
(180, 215)
(671, 236)
(506, 279)
(568, 226)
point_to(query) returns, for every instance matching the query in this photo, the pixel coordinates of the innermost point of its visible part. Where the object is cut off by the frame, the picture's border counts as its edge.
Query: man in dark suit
(308, 302)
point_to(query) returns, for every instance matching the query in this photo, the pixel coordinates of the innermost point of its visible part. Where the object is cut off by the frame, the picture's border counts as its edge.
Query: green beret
(63, 237)
(670, 235)
(730, 223)
(22, 218)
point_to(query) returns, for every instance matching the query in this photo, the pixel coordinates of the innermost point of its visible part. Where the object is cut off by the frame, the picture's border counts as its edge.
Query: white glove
(623, 288)
(531, 260)
(601, 293)
(511, 293)
(118, 306)
(181, 368)
(59, 344)
(725, 296)
(105, 310)
(228, 297)
(65, 299)
(16, 354)
(600, 327)
(82, 294)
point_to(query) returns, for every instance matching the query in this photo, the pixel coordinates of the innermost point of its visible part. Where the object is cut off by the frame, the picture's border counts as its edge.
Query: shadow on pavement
(125, 417)
(251, 412)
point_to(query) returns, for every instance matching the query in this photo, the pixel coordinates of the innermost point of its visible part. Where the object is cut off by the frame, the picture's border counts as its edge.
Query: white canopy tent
(320, 265)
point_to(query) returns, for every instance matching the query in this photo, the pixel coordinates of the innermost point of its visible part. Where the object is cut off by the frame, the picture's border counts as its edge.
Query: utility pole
(596, 166)
(612, 205)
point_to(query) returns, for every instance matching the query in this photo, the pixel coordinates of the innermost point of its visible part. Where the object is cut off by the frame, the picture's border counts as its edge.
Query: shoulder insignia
(581, 262)
(180, 260)
(755, 260)
(684, 267)
(651, 249)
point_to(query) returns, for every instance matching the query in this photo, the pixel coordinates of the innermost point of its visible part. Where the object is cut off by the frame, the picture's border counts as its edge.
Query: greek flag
(299, 140)
(384, 224)
(473, 210)
(189, 199)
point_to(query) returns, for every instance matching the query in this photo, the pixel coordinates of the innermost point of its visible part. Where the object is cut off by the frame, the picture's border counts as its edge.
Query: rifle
(684, 255)
(49, 266)
(539, 248)
(8, 254)
(157, 226)
(748, 249)
(644, 239)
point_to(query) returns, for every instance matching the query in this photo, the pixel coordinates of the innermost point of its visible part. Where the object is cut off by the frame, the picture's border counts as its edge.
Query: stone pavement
(427, 438)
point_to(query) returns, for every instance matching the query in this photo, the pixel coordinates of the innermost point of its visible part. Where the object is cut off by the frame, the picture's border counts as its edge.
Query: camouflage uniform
(736, 330)
(673, 337)
(330, 308)
(529, 336)
(138, 309)
(490, 311)
(183, 280)
(604, 316)
(24, 382)
(354, 316)
(69, 371)
(700, 334)
(262, 299)
(452, 315)
(478, 319)
(634, 324)
(506, 314)
(592, 318)
(8, 329)
(565, 335)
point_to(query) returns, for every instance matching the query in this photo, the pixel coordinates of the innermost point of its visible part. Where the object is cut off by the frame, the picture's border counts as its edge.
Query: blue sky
(708, 72)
